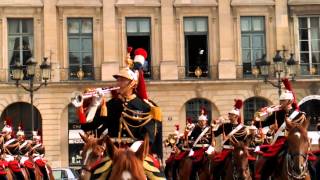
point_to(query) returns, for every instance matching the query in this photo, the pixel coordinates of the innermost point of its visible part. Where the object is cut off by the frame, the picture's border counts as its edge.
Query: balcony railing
(197, 72)
(247, 71)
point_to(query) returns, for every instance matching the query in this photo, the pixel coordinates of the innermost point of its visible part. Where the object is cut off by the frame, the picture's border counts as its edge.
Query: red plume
(203, 110)
(189, 120)
(141, 87)
(288, 86)
(129, 49)
(238, 103)
(8, 121)
(177, 127)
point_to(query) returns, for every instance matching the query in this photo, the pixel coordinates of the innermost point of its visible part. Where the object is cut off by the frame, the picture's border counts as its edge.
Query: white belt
(227, 147)
(201, 145)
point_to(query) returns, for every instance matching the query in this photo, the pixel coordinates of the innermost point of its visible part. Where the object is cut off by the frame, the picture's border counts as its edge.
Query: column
(282, 24)
(110, 62)
(226, 65)
(168, 64)
(50, 38)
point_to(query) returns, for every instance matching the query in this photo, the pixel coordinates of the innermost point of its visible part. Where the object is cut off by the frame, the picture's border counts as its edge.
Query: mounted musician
(128, 115)
(232, 132)
(274, 120)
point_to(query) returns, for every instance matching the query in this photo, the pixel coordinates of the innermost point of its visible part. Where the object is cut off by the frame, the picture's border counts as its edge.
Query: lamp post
(18, 74)
(282, 68)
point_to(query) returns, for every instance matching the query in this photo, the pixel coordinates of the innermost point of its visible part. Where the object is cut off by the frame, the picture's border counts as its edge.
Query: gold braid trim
(136, 118)
(134, 112)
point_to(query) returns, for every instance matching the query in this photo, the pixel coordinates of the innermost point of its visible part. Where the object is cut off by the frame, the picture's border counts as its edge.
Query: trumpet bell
(77, 99)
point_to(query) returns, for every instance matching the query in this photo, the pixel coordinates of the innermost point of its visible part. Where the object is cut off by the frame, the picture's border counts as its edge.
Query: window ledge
(303, 2)
(252, 3)
(21, 3)
(79, 3)
(186, 3)
(138, 3)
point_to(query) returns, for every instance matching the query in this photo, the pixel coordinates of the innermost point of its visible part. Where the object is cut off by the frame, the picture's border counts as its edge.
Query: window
(80, 48)
(75, 141)
(193, 109)
(250, 106)
(252, 41)
(20, 41)
(309, 45)
(139, 36)
(196, 46)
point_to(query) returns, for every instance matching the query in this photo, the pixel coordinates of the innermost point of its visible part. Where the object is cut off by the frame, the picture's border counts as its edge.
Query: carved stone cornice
(21, 3)
(198, 3)
(252, 3)
(79, 3)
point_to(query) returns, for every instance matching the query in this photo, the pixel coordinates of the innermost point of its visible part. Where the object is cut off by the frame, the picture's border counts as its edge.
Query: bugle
(78, 97)
(265, 112)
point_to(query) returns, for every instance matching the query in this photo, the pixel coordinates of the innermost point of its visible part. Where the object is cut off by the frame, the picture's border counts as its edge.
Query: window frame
(187, 34)
(147, 35)
(248, 113)
(80, 36)
(21, 35)
(310, 63)
(251, 34)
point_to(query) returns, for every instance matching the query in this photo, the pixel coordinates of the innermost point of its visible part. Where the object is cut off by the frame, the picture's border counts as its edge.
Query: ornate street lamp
(18, 74)
(282, 67)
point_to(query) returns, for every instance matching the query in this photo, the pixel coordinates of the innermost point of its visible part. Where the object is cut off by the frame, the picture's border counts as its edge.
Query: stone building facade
(222, 38)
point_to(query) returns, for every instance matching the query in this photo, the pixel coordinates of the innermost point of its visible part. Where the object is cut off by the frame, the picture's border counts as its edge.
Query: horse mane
(126, 160)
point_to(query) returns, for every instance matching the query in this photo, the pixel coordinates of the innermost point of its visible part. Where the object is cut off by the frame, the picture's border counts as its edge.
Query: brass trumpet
(78, 97)
(265, 112)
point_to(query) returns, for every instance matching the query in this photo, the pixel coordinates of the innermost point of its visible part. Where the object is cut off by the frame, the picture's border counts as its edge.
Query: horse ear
(143, 150)
(111, 148)
(84, 137)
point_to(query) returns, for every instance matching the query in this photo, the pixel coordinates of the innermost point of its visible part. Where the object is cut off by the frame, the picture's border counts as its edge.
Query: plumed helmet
(237, 106)
(203, 115)
(140, 56)
(126, 73)
(286, 95)
(7, 126)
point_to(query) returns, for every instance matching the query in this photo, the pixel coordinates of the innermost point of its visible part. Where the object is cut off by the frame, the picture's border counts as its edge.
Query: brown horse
(294, 163)
(42, 168)
(237, 165)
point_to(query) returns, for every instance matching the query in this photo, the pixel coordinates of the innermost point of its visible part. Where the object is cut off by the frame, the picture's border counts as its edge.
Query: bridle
(236, 170)
(290, 164)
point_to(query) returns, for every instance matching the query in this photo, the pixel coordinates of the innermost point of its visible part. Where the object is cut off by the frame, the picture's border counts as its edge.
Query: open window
(139, 36)
(196, 47)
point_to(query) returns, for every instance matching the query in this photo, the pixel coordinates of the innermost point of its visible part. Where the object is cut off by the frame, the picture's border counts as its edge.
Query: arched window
(250, 106)
(193, 109)
(19, 112)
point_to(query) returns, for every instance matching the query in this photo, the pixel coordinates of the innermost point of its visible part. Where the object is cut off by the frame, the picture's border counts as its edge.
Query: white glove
(210, 150)
(257, 149)
(191, 153)
(97, 99)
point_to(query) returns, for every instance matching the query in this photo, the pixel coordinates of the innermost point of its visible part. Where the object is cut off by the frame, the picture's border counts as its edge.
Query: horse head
(128, 164)
(297, 153)
(240, 163)
(93, 149)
